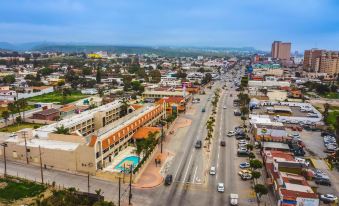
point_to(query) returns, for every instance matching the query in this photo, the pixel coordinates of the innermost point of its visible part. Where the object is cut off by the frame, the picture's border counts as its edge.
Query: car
(168, 179)
(243, 171)
(221, 187)
(242, 145)
(242, 141)
(244, 165)
(323, 181)
(222, 143)
(198, 144)
(234, 199)
(246, 176)
(230, 133)
(225, 107)
(212, 171)
(328, 198)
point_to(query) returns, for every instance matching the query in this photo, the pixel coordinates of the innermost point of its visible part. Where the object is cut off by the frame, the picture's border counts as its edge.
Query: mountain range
(88, 47)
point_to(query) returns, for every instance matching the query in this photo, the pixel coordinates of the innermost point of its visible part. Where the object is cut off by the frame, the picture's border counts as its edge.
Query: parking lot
(313, 143)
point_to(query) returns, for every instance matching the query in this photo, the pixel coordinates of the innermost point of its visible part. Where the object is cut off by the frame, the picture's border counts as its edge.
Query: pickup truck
(234, 199)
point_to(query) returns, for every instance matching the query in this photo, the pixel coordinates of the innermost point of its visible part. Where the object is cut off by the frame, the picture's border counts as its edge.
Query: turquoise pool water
(134, 160)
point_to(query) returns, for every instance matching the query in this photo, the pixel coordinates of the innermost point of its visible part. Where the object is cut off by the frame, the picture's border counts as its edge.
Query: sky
(214, 23)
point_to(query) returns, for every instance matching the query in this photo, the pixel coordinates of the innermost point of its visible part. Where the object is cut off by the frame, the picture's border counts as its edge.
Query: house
(48, 114)
(67, 110)
(284, 176)
(173, 104)
(9, 95)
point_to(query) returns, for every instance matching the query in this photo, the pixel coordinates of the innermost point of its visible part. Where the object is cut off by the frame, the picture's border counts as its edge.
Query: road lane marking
(188, 165)
(195, 173)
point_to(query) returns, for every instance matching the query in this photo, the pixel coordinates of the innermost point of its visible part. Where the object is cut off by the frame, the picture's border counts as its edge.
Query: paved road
(190, 167)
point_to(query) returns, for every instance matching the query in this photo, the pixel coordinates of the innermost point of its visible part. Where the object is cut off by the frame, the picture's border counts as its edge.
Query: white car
(328, 198)
(230, 133)
(242, 141)
(221, 187)
(242, 145)
(212, 171)
(225, 107)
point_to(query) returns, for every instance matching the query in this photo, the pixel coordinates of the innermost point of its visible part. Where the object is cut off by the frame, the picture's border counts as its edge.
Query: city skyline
(173, 23)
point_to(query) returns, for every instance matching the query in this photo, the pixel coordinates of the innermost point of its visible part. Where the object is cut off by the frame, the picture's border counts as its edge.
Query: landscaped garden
(58, 97)
(16, 127)
(14, 189)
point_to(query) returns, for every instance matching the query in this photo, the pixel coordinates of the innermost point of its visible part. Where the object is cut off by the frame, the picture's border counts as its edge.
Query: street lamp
(4, 145)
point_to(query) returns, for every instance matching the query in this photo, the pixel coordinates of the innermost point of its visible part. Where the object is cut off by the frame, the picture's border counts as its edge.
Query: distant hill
(87, 48)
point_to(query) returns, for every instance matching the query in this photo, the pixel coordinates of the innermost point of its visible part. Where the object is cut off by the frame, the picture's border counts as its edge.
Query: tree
(86, 71)
(251, 155)
(12, 108)
(65, 92)
(98, 76)
(255, 164)
(249, 147)
(256, 175)
(124, 107)
(9, 79)
(5, 115)
(155, 76)
(61, 130)
(260, 190)
(206, 79)
(21, 105)
(325, 113)
(46, 71)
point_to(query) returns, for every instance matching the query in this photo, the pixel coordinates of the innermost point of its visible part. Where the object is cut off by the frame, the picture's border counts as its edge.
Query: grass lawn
(332, 118)
(331, 95)
(18, 189)
(57, 97)
(28, 107)
(17, 127)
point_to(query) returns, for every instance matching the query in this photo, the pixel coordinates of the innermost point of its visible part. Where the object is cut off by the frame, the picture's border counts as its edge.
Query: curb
(149, 187)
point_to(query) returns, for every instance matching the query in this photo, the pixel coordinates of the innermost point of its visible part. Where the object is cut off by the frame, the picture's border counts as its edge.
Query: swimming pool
(127, 162)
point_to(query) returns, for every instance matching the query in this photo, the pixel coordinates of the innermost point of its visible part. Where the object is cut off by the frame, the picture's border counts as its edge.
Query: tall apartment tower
(321, 61)
(281, 50)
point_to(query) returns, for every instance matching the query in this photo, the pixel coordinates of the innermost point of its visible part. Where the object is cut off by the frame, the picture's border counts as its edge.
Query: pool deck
(129, 151)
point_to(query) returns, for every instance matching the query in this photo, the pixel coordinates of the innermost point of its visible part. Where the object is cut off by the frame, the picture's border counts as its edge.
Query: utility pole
(130, 185)
(41, 171)
(88, 183)
(119, 190)
(4, 145)
(24, 134)
(162, 137)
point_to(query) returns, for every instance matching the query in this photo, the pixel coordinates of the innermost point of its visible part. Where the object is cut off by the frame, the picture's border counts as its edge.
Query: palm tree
(12, 108)
(22, 104)
(62, 130)
(65, 93)
(124, 107)
(5, 115)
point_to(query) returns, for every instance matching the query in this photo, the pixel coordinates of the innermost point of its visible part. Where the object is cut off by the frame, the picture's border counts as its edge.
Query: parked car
(221, 187)
(328, 198)
(246, 176)
(244, 165)
(230, 133)
(168, 179)
(323, 181)
(243, 152)
(243, 171)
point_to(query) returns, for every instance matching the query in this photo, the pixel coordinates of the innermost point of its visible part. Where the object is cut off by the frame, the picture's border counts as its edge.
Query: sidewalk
(153, 175)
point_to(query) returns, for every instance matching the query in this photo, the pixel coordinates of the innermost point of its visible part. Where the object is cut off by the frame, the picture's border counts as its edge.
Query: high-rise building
(281, 50)
(321, 61)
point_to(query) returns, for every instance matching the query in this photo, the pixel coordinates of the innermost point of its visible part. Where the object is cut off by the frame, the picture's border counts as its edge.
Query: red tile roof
(143, 132)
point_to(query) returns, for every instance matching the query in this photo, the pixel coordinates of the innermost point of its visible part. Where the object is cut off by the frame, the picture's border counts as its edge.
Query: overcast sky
(233, 23)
